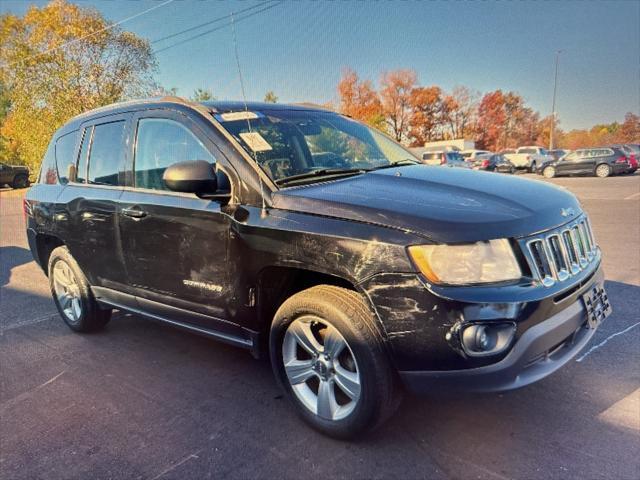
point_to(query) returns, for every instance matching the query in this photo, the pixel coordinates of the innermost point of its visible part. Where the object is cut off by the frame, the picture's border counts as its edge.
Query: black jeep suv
(303, 233)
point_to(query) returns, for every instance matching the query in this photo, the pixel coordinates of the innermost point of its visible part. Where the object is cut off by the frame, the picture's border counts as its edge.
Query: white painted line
(595, 347)
(632, 196)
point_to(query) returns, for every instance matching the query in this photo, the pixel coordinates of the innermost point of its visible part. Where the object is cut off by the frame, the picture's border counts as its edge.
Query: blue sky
(298, 48)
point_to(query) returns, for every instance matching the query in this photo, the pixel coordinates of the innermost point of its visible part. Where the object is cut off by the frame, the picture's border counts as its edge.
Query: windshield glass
(288, 143)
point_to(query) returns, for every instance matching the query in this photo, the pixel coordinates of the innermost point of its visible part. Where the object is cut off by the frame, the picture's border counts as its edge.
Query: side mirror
(193, 176)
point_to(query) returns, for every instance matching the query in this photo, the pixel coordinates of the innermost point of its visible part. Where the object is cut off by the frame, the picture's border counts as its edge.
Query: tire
(603, 170)
(320, 315)
(20, 181)
(549, 172)
(72, 295)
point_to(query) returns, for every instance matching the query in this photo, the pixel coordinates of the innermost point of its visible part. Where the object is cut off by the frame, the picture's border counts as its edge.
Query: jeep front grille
(560, 253)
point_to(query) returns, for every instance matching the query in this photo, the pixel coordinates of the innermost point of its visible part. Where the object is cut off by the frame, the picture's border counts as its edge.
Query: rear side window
(65, 156)
(527, 150)
(48, 170)
(161, 143)
(106, 154)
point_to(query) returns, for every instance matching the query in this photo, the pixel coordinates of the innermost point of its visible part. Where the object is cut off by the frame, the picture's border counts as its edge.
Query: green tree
(270, 97)
(202, 95)
(60, 60)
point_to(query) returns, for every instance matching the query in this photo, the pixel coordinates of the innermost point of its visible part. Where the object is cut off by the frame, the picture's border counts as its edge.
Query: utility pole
(553, 106)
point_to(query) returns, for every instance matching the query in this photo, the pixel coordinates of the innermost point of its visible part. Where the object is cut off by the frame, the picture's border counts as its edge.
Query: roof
(181, 103)
(237, 105)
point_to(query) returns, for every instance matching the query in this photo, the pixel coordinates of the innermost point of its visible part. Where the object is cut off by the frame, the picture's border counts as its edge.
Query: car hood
(442, 204)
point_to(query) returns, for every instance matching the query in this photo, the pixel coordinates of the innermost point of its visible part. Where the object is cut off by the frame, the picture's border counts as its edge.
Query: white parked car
(529, 158)
(474, 155)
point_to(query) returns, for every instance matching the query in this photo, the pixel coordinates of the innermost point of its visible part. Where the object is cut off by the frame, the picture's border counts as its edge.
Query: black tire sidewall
(92, 317)
(362, 348)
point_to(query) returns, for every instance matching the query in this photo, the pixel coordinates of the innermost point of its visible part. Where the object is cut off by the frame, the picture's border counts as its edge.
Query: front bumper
(540, 351)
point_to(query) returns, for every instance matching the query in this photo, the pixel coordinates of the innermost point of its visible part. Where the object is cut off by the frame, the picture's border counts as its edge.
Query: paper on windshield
(233, 116)
(255, 141)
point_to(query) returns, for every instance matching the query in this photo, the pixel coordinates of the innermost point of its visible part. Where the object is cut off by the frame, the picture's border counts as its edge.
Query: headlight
(482, 262)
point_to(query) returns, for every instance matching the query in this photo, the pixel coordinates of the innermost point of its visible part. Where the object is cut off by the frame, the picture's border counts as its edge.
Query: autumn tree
(630, 129)
(460, 112)
(395, 95)
(270, 97)
(202, 95)
(358, 99)
(491, 119)
(60, 60)
(426, 119)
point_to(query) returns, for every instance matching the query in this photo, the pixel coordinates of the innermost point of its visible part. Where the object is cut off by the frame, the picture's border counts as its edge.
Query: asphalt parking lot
(143, 400)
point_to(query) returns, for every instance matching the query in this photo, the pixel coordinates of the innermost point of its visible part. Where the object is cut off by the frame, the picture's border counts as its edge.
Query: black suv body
(400, 265)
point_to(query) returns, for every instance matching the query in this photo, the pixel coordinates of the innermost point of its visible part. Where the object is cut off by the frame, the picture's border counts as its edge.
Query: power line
(215, 20)
(108, 27)
(207, 32)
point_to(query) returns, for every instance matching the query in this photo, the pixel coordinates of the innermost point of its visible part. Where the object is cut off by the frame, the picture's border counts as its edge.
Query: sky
(299, 48)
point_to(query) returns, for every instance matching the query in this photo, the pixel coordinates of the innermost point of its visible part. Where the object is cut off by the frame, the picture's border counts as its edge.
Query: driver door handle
(134, 212)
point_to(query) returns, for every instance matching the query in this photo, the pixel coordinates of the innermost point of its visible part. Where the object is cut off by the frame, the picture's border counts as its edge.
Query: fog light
(487, 339)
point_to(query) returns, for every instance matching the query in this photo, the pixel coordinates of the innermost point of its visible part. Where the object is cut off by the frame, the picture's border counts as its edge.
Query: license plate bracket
(596, 301)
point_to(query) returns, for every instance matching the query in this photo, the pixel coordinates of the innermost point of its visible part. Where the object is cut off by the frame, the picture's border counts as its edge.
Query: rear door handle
(134, 212)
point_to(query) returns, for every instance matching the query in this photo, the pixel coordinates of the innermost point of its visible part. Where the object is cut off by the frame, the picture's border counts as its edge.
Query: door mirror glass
(192, 176)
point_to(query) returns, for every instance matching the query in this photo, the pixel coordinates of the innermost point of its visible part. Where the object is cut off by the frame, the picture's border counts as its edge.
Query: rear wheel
(20, 181)
(72, 295)
(549, 172)
(603, 170)
(327, 356)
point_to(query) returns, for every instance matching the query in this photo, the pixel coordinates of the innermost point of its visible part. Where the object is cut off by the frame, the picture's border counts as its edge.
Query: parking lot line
(595, 347)
(631, 197)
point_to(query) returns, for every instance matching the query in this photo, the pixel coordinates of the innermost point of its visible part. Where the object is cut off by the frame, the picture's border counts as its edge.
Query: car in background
(632, 151)
(495, 163)
(444, 158)
(529, 158)
(472, 155)
(599, 161)
(557, 154)
(17, 176)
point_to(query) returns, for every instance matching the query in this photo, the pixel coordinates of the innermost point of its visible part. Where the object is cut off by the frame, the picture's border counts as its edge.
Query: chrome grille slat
(559, 254)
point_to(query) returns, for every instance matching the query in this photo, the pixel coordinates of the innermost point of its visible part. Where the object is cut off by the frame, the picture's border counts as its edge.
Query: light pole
(553, 106)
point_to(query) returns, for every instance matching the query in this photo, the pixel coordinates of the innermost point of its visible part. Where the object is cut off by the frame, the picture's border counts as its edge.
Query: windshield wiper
(405, 161)
(323, 172)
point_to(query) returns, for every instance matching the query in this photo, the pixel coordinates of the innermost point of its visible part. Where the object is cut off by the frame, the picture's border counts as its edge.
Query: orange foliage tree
(395, 94)
(359, 99)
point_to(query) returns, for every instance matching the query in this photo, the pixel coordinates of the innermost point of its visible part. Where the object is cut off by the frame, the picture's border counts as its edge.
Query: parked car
(558, 153)
(471, 156)
(632, 151)
(529, 158)
(17, 176)
(601, 162)
(445, 158)
(495, 163)
(355, 276)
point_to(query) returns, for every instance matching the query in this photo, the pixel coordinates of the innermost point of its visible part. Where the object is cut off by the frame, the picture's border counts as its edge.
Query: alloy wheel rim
(602, 171)
(67, 290)
(549, 172)
(321, 368)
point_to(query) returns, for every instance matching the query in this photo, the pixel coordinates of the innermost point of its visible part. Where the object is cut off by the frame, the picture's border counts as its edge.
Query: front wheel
(603, 171)
(549, 172)
(20, 181)
(329, 359)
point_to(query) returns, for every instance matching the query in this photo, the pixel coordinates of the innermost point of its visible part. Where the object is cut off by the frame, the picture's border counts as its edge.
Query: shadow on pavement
(11, 257)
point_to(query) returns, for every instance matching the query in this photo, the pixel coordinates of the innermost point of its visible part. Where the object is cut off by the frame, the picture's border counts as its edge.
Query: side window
(81, 167)
(571, 157)
(161, 143)
(48, 170)
(105, 157)
(65, 156)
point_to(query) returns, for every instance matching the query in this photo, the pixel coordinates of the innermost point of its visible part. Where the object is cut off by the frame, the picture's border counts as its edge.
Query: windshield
(288, 143)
